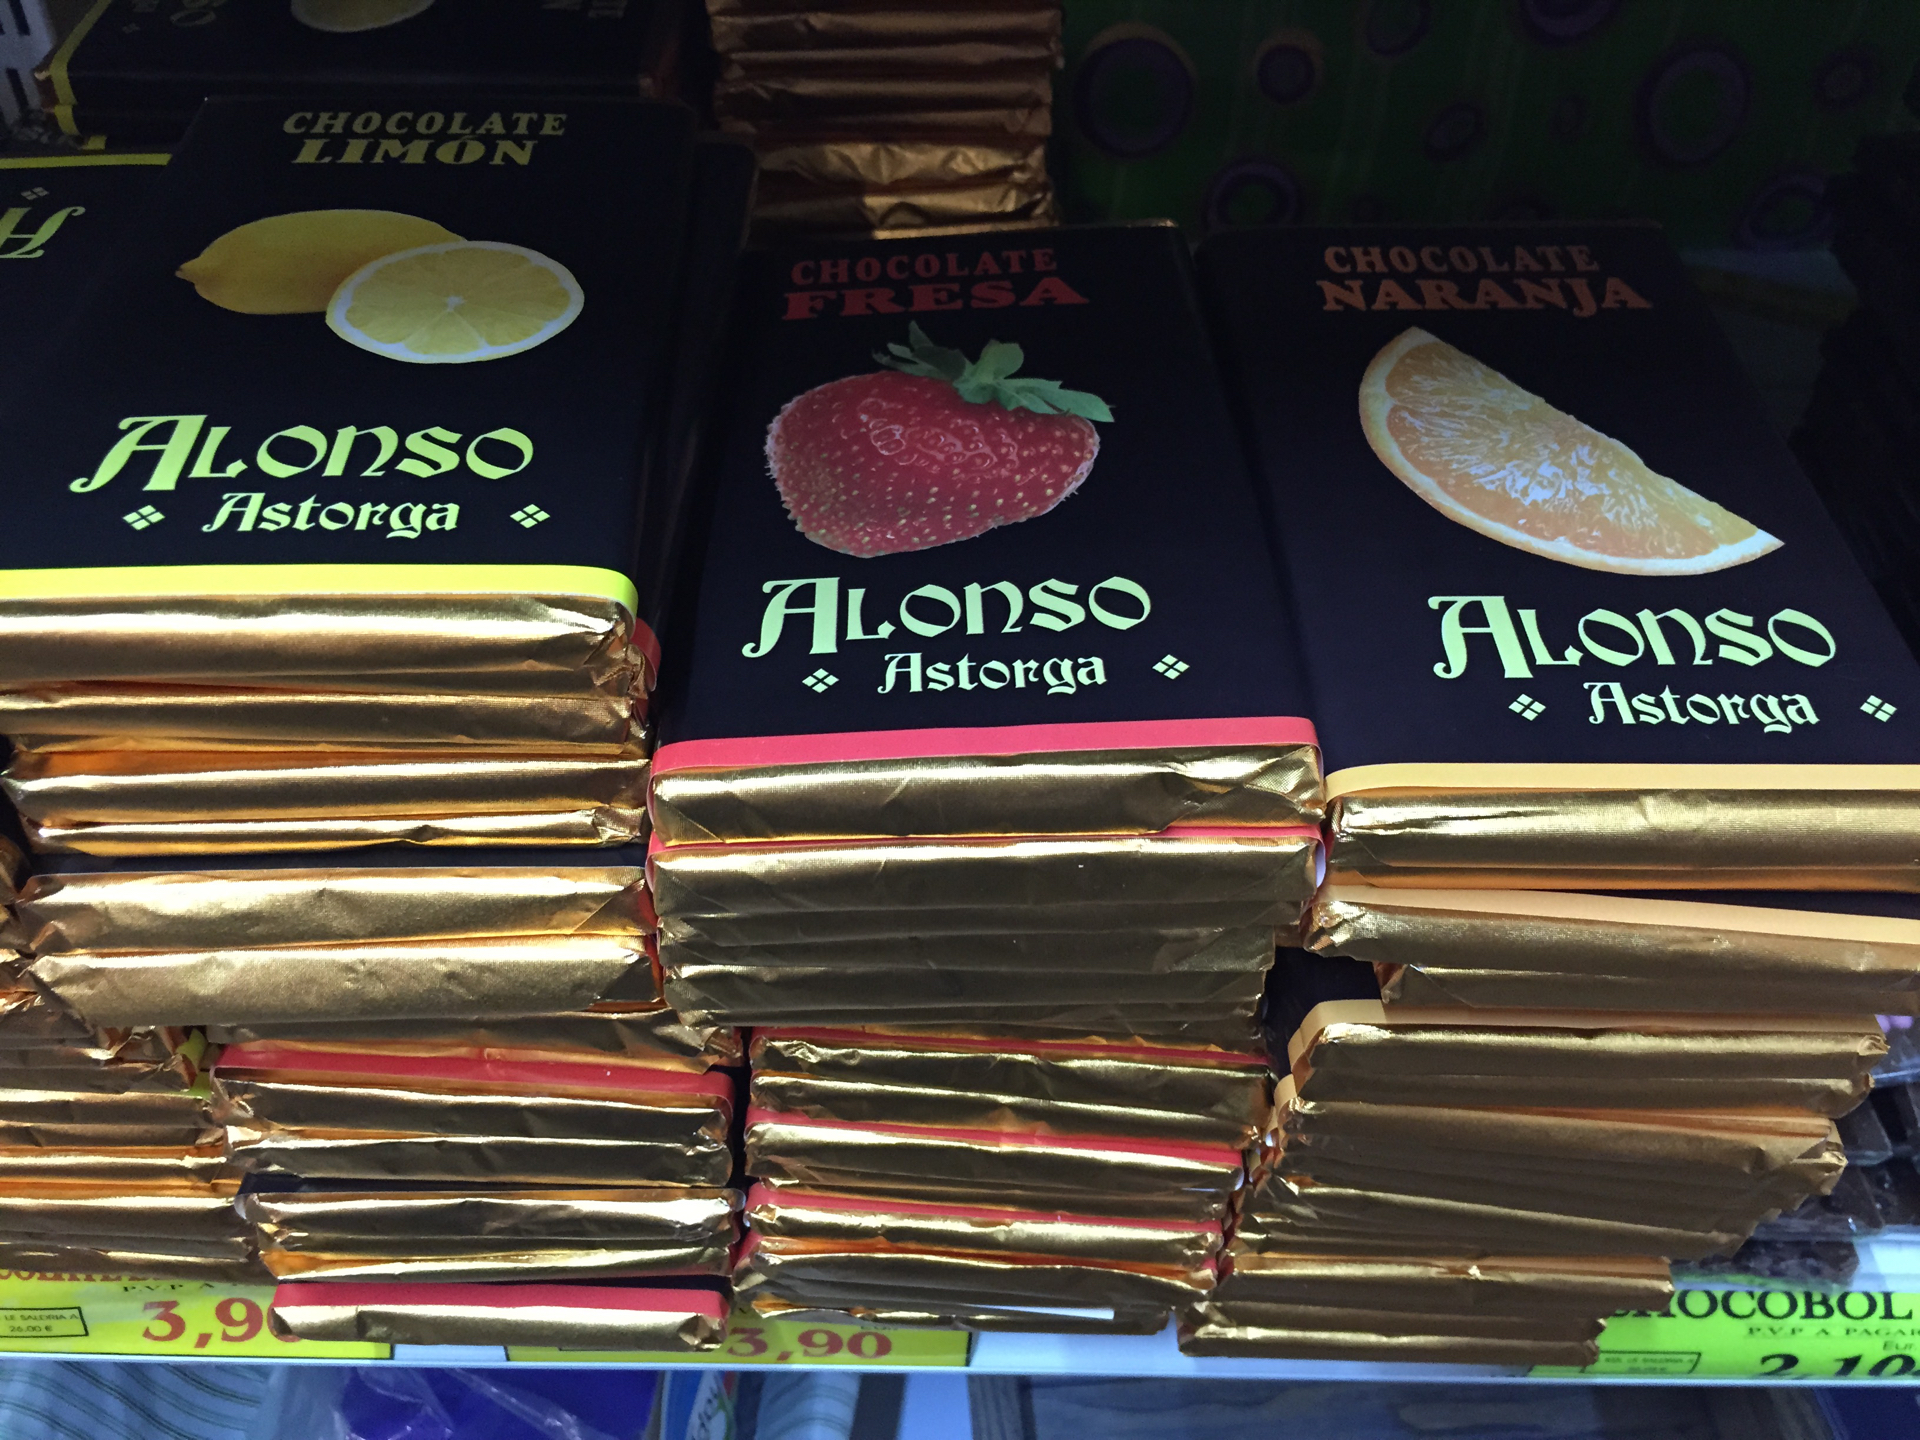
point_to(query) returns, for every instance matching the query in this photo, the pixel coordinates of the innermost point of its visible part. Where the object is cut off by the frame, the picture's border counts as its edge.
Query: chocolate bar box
(137, 69)
(985, 559)
(411, 379)
(1571, 614)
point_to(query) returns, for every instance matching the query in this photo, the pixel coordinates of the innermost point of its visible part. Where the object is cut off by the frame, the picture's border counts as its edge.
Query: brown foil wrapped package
(62, 1212)
(900, 165)
(134, 1257)
(788, 30)
(595, 826)
(1288, 1215)
(1223, 878)
(228, 909)
(173, 1108)
(768, 96)
(937, 59)
(1143, 951)
(107, 787)
(608, 1033)
(1123, 1177)
(1358, 1050)
(13, 868)
(475, 1158)
(448, 979)
(1528, 949)
(1217, 1096)
(70, 1071)
(1116, 791)
(565, 1316)
(390, 1222)
(805, 1270)
(30, 1019)
(1517, 1286)
(1853, 827)
(156, 1170)
(1561, 1328)
(1211, 1330)
(175, 719)
(500, 644)
(803, 208)
(779, 1213)
(988, 125)
(1148, 1020)
(1046, 1320)
(430, 1261)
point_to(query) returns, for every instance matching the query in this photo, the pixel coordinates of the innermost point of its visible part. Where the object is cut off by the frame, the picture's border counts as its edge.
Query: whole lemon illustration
(292, 264)
(347, 16)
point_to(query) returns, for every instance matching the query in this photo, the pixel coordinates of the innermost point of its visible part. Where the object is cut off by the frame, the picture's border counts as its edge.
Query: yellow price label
(185, 1319)
(752, 1340)
(1765, 1332)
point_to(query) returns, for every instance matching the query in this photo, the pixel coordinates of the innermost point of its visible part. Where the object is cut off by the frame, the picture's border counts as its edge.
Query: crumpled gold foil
(768, 96)
(1097, 792)
(781, 1213)
(903, 164)
(434, 1260)
(1117, 1177)
(592, 825)
(546, 1315)
(173, 1108)
(446, 979)
(228, 909)
(1221, 1096)
(134, 1257)
(1387, 1322)
(506, 644)
(986, 124)
(13, 869)
(477, 1157)
(1635, 838)
(1288, 1215)
(160, 1215)
(159, 1169)
(1521, 1286)
(97, 718)
(1059, 1320)
(388, 1222)
(114, 1074)
(804, 1271)
(799, 207)
(804, 29)
(1601, 952)
(1201, 952)
(608, 1034)
(1200, 879)
(1212, 1330)
(741, 1002)
(935, 59)
(30, 1020)
(112, 787)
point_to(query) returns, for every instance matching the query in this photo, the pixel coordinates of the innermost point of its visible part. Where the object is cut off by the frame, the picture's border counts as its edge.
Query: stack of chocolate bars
(891, 116)
(133, 73)
(991, 1183)
(1510, 609)
(353, 813)
(986, 796)
(1859, 435)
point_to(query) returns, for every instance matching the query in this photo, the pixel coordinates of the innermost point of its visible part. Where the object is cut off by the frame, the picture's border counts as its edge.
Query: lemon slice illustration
(292, 264)
(456, 303)
(346, 16)
(1502, 461)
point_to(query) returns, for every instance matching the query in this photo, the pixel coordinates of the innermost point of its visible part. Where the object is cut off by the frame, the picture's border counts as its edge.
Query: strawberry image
(931, 450)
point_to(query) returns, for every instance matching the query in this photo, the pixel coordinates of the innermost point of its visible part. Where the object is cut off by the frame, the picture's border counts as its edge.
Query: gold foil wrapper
(596, 826)
(1635, 838)
(902, 165)
(1071, 793)
(1600, 952)
(1032, 1171)
(231, 909)
(1212, 1330)
(1219, 1096)
(66, 1070)
(1225, 879)
(819, 1272)
(840, 97)
(652, 1036)
(13, 869)
(159, 1169)
(176, 719)
(1045, 1320)
(802, 208)
(1203, 954)
(1005, 57)
(1517, 1286)
(987, 124)
(432, 1261)
(1289, 1215)
(133, 1257)
(386, 1222)
(477, 1158)
(506, 644)
(449, 979)
(31, 1020)
(65, 1213)
(806, 29)
(566, 1317)
(174, 1109)
(1564, 1329)
(779, 1214)
(134, 787)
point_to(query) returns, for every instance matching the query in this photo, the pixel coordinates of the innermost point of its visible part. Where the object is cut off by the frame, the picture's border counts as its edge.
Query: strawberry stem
(991, 377)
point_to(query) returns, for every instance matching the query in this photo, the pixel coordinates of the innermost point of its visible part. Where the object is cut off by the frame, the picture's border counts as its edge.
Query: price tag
(108, 1315)
(1768, 1332)
(752, 1340)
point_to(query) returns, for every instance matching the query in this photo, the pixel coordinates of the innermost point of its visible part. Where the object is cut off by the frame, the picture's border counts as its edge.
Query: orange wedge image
(1502, 461)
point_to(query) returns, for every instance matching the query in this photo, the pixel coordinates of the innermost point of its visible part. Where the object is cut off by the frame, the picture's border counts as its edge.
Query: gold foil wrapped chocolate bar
(743, 27)
(897, 164)
(596, 1317)
(1533, 950)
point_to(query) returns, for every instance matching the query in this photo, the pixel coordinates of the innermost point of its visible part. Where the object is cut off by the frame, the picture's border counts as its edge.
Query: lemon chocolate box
(1571, 616)
(132, 69)
(358, 421)
(1005, 575)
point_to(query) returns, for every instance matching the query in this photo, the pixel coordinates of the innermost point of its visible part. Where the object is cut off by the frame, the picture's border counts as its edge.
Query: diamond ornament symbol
(143, 518)
(529, 516)
(821, 681)
(1171, 666)
(1879, 709)
(1527, 708)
